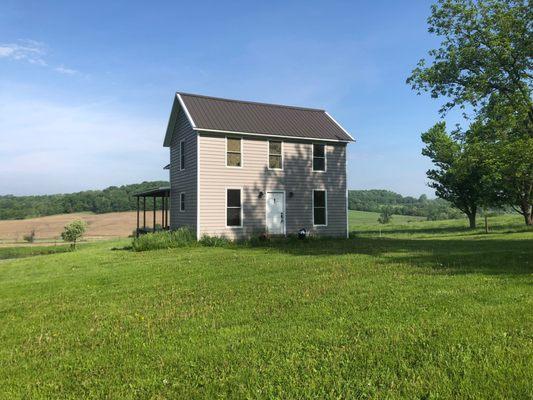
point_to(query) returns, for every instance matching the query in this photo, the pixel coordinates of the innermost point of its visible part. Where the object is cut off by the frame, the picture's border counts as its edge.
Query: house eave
(263, 135)
(174, 117)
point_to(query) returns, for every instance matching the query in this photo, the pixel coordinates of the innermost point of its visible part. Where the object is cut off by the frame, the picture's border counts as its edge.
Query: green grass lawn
(29, 251)
(428, 310)
(368, 218)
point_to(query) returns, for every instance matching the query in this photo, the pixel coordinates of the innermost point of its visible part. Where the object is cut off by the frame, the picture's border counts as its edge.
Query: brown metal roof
(212, 113)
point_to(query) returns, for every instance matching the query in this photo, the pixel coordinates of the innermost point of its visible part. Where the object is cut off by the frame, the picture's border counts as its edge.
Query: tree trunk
(526, 211)
(472, 220)
(528, 217)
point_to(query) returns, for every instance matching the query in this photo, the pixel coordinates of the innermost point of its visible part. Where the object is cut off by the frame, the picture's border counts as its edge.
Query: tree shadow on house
(298, 180)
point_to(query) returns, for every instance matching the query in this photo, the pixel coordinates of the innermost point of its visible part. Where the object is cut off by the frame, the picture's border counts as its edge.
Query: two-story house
(240, 168)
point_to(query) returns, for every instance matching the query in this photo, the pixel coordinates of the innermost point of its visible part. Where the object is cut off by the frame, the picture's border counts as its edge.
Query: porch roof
(155, 192)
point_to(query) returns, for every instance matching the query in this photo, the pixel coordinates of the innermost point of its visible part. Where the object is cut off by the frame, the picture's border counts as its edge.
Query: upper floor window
(233, 152)
(275, 157)
(319, 157)
(182, 155)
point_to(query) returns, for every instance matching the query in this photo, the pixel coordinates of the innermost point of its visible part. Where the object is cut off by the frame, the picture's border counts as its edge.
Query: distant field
(47, 229)
(121, 224)
(358, 218)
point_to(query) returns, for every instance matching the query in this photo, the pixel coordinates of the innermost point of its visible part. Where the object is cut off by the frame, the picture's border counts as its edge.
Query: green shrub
(214, 241)
(73, 232)
(30, 238)
(164, 240)
(386, 215)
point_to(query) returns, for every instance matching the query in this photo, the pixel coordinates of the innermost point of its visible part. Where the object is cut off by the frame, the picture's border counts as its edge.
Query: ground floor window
(320, 207)
(182, 201)
(233, 208)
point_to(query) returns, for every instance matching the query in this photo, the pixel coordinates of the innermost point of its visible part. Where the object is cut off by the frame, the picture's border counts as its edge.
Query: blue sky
(86, 87)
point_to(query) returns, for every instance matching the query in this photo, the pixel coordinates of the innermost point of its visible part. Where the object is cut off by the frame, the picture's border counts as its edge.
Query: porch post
(137, 231)
(166, 211)
(144, 213)
(155, 198)
(163, 212)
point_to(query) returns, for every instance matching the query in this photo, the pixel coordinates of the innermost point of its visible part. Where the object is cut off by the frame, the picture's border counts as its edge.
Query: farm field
(115, 225)
(48, 229)
(427, 310)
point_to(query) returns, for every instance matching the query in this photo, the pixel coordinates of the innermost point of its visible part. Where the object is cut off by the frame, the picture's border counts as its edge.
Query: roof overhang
(268, 135)
(155, 192)
(180, 104)
(176, 106)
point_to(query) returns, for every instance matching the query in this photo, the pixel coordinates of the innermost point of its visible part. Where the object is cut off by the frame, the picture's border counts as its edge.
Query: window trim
(241, 153)
(268, 155)
(226, 208)
(182, 202)
(325, 208)
(182, 155)
(313, 157)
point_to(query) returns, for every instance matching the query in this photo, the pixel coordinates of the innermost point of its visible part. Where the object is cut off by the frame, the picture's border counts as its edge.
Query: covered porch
(155, 205)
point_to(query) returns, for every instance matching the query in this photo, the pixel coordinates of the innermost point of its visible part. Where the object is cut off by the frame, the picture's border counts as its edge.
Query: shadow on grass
(463, 256)
(443, 230)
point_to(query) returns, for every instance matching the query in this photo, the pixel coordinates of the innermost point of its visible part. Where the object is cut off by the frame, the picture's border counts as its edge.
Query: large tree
(461, 175)
(508, 146)
(484, 65)
(486, 49)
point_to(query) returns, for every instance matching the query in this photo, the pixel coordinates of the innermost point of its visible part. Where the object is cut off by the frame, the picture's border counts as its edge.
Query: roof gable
(235, 116)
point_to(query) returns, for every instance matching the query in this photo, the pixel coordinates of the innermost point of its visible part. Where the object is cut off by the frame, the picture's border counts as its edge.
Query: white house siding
(183, 180)
(254, 176)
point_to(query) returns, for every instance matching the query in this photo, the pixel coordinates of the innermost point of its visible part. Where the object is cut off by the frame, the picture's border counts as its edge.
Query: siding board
(183, 180)
(297, 177)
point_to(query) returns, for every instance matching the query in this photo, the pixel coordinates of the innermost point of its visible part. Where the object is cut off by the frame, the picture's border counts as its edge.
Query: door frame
(284, 209)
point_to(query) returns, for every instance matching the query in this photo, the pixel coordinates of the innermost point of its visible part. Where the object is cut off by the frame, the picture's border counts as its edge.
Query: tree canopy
(483, 64)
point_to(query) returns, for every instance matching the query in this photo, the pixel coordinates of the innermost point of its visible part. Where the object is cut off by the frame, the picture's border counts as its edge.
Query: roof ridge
(252, 102)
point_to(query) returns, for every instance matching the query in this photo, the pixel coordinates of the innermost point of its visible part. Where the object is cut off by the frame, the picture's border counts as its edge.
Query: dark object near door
(302, 233)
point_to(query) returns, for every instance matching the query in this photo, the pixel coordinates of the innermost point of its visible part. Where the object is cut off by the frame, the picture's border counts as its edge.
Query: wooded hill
(113, 198)
(120, 198)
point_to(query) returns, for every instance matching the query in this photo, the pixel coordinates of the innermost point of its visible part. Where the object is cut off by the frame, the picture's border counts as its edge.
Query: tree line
(111, 199)
(484, 67)
(377, 200)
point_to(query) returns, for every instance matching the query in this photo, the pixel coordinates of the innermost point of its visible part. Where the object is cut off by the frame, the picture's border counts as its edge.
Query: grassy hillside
(368, 218)
(429, 310)
(375, 200)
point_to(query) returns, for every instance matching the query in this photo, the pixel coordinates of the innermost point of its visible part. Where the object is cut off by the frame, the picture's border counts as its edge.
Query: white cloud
(64, 70)
(25, 50)
(33, 52)
(48, 147)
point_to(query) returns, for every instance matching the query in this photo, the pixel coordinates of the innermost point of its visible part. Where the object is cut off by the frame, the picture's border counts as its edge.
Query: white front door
(275, 213)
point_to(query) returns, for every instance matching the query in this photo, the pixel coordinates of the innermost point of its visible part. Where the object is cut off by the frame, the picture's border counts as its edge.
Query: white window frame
(268, 155)
(183, 202)
(226, 208)
(325, 157)
(313, 206)
(226, 152)
(182, 155)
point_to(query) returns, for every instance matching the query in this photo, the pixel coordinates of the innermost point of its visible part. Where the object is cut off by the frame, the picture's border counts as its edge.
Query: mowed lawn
(428, 310)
